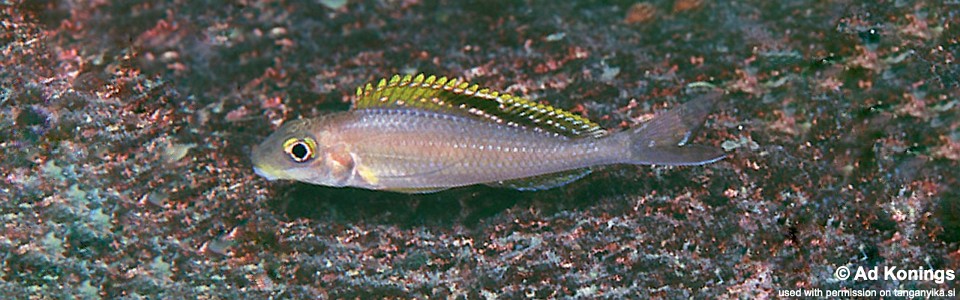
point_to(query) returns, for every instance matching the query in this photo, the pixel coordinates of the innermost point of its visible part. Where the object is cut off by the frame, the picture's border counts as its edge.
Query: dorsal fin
(462, 98)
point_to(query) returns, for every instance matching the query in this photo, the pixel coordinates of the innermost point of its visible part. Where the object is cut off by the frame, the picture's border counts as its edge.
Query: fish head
(304, 150)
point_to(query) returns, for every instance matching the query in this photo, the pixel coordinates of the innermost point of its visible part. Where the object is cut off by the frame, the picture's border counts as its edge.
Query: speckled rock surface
(125, 130)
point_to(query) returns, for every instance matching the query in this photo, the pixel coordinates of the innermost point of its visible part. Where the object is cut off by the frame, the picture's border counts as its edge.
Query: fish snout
(264, 174)
(258, 163)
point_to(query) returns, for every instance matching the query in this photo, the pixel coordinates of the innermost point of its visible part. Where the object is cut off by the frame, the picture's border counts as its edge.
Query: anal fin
(425, 190)
(543, 182)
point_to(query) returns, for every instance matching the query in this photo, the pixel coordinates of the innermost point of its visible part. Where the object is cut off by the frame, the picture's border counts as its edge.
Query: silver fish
(425, 134)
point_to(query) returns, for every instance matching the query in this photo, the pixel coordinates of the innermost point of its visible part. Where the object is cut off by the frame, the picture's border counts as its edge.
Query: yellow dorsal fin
(463, 98)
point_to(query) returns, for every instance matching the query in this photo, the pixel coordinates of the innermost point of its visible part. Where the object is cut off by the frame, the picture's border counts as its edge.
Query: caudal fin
(663, 140)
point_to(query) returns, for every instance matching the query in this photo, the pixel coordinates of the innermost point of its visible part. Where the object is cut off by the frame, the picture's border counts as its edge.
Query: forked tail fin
(663, 140)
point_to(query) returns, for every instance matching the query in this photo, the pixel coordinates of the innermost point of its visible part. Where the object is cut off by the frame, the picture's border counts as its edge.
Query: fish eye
(300, 150)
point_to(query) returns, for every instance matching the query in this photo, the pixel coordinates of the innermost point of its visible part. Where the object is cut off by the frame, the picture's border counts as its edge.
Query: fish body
(423, 134)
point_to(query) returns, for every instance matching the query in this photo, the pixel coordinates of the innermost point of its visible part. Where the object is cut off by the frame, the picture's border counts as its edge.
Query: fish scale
(414, 164)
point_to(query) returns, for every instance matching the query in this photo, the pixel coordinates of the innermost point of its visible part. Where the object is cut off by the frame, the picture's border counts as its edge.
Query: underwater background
(126, 129)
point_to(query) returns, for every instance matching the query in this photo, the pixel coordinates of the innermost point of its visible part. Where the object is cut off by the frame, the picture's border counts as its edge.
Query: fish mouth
(264, 174)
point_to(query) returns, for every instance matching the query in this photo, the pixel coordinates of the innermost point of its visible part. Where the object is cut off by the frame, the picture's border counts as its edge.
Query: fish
(423, 134)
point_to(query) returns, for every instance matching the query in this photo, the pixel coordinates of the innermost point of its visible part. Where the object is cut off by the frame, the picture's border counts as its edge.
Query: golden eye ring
(300, 150)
